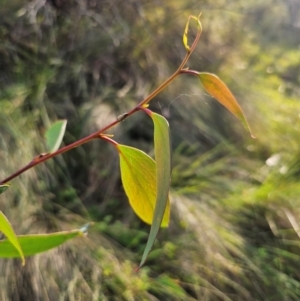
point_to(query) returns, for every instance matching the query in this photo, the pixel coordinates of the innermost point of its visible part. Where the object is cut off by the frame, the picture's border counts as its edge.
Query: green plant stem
(99, 134)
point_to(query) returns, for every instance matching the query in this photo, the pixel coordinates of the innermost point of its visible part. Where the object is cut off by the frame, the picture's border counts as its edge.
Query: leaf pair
(147, 182)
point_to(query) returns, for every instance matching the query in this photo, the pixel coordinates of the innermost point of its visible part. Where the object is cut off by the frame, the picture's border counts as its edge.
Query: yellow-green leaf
(3, 187)
(55, 134)
(138, 173)
(218, 90)
(186, 30)
(37, 243)
(8, 231)
(163, 174)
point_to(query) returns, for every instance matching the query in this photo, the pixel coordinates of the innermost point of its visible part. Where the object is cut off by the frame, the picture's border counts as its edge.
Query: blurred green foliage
(234, 232)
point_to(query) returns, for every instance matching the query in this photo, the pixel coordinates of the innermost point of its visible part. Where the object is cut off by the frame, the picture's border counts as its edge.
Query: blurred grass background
(234, 233)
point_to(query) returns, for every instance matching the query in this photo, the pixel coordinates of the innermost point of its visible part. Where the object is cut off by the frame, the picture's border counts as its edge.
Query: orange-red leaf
(217, 89)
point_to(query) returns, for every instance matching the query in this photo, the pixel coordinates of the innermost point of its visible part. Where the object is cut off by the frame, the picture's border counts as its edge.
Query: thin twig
(99, 134)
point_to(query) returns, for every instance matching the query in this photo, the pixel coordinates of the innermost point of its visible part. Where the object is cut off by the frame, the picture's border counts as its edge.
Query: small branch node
(122, 117)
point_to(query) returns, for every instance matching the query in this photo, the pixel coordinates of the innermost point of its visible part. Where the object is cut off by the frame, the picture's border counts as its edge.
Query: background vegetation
(235, 230)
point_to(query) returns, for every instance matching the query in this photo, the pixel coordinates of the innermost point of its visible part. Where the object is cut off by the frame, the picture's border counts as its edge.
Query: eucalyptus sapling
(146, 181)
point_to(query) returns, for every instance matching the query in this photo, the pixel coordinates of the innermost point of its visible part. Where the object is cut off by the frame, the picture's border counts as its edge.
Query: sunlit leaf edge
(29, 242)
(3, 188)
(8, 231)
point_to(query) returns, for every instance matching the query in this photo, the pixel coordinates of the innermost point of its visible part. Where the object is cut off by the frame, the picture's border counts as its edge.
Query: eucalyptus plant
(146, 181)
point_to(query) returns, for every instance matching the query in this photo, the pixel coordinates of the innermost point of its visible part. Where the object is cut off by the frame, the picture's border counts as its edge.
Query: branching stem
(99, 134)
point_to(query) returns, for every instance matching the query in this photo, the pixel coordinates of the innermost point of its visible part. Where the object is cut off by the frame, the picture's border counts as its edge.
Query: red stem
(44, 157)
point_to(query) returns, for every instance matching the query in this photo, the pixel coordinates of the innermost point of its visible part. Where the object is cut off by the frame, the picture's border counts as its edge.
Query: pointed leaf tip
(8, 231)
(36, 243)
(3, 187)
(163, 175)
(84, 229)
(215, 87)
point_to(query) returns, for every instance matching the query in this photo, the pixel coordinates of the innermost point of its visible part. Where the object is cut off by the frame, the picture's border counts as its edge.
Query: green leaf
(37, 243)
(138, 173)
(8, 231)
(217, 89)
(163, 174)
(3, 187)
(55, 134)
